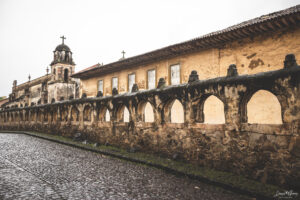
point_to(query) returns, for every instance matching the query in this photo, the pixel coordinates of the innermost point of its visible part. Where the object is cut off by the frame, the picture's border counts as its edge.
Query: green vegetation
(219, 178)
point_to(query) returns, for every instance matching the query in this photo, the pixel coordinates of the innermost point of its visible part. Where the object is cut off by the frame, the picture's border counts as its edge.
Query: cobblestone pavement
(32, 168)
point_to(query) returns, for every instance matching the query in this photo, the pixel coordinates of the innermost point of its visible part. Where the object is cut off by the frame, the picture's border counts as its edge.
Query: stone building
(252, 45)
(229, 100)
(52, 87)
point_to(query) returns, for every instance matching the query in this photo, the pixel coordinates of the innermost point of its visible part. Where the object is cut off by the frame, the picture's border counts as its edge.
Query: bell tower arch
(62, 86)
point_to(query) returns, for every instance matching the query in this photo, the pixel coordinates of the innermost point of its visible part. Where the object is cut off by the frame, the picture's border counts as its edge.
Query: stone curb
(231, 188)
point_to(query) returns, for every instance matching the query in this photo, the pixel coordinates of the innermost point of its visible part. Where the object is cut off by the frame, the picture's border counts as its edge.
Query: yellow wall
(251, 55)
(260, 54)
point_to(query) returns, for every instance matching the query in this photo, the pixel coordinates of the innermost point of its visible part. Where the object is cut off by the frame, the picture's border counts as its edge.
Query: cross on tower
(123, 52)
(63, 38)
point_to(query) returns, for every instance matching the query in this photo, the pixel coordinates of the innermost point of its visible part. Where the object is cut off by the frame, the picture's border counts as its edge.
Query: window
(175, 74)
(100, 86)
(131, 81)
(114, 83)
(151, 79)
(66, 75)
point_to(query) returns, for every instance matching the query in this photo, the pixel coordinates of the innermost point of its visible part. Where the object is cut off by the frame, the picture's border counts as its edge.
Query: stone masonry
(266, 152)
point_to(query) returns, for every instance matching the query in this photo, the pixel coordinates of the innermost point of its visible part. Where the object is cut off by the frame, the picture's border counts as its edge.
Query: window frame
(147, 83)
(102, 85)
(170, 73)
(133, 73)
(112, 83)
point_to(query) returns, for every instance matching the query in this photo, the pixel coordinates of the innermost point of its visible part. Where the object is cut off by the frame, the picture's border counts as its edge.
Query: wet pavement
(33, 168)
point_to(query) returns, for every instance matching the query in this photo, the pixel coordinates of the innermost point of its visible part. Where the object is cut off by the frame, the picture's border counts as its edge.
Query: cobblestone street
(32, 168)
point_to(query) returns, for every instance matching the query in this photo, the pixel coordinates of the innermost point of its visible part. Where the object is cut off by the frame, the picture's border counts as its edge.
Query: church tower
(62, 86)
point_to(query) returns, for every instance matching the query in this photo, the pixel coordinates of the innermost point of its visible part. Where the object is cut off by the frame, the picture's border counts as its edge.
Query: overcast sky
(97, 31)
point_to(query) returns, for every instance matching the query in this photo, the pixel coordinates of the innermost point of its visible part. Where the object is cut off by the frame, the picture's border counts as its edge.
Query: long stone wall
(266, 152)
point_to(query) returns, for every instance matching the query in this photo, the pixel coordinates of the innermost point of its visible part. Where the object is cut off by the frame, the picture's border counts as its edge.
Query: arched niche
(87, 113)
(46, 116)
(213, 110)
(123, 114)
(148, 113)
(74, 114)
(26, 115)
(107, 116)
(174, 112)
(145, 111)
(63, 111)
(103, 114)
(32, 115)
(264, 108)
(40, 115)
(21, 114)
(54, 115)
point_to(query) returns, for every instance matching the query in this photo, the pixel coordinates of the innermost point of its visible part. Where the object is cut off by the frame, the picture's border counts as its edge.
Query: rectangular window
(131, 81)
(175, 74)
(100, 86)
(151, 79)
(114, 83)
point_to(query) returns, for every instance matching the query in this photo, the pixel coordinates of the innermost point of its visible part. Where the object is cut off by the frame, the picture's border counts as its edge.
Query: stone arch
(74, 114)
(27, 115)
(174, 112)
(213, 110)
(21, 114)
(39, 115)
(16, 115)
(104, 114)
(146, 112)
(9, 117)
(263, 108)
(6, 117)
(53, 113)
(123, 114)
(45, 115)
(32, 115)
(87, 113)
(3, 117)
(107, 116)
(63, 111)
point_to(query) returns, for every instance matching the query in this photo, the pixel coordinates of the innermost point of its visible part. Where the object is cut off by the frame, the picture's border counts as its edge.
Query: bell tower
(62, 66)
(62, 86)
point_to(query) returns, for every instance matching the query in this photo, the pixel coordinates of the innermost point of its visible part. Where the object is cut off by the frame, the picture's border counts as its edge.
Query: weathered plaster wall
(35, 93)
(251, 55)
(60, 90)
(265, 152)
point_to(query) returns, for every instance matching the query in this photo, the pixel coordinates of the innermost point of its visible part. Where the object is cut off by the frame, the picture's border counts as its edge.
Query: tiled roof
(33, 82)
(265, 23)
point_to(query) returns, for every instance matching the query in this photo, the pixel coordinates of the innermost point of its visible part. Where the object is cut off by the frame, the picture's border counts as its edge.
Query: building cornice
(261, 25)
